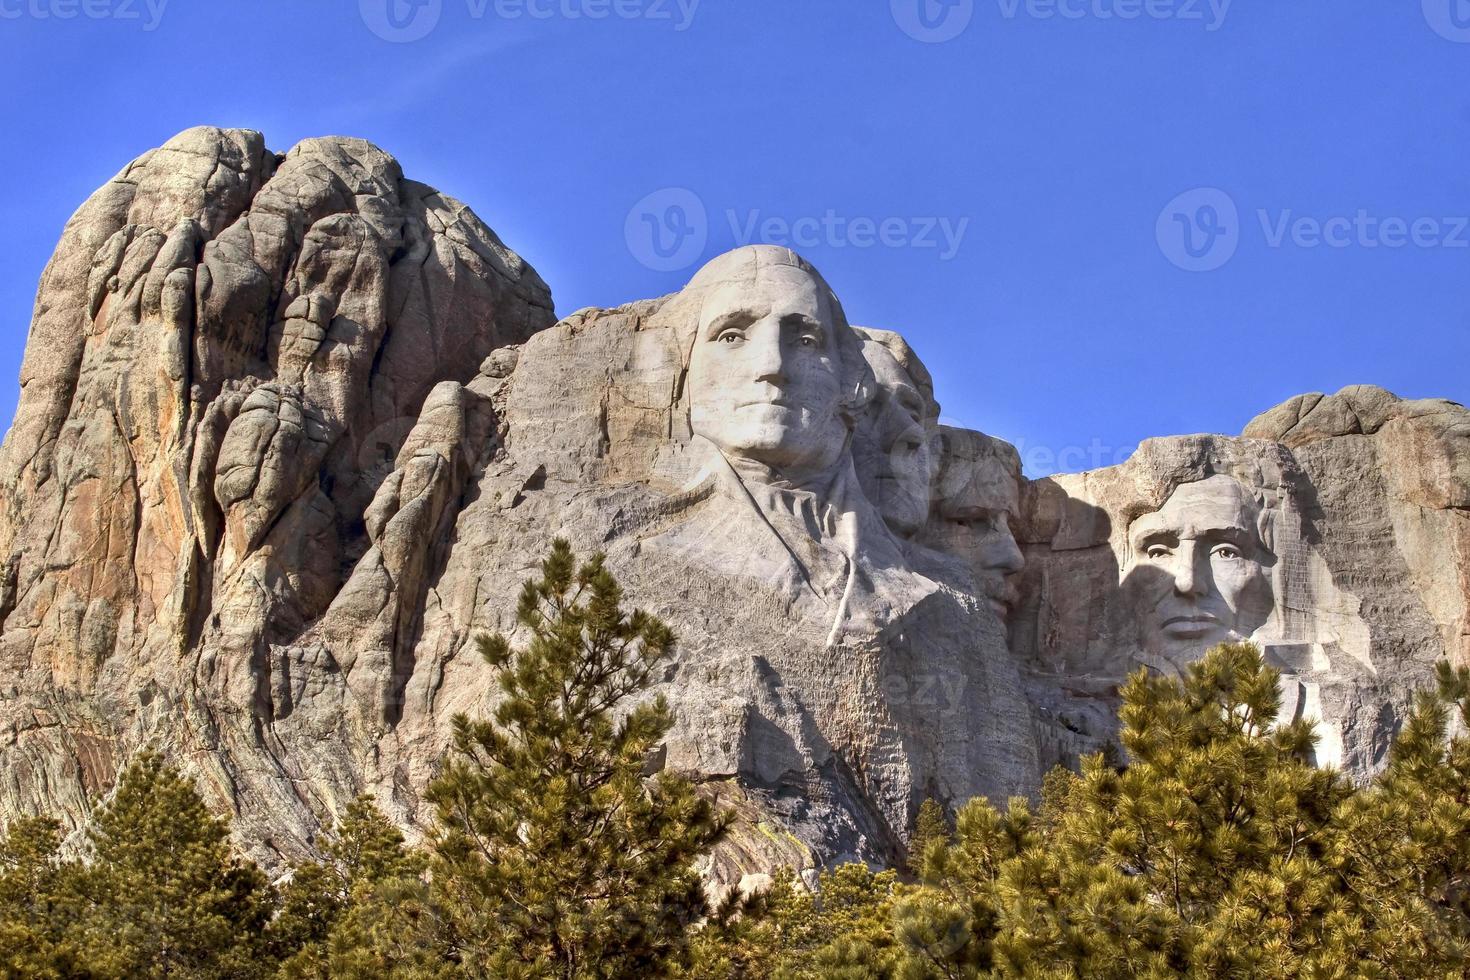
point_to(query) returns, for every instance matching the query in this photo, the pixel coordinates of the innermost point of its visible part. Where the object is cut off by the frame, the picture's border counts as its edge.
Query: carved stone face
(893, 449)
(765, 375)
(978, 491)
(1198, 571)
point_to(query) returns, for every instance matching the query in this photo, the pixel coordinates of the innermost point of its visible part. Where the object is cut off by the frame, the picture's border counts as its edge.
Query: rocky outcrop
(295, 429)
(1349, 513)
(245, 377)
(1396, 474)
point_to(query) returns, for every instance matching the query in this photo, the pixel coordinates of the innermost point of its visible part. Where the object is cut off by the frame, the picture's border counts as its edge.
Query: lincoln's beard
(1177, 652)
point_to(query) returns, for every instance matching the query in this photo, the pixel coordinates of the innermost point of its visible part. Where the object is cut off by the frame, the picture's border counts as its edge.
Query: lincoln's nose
(1187, 578)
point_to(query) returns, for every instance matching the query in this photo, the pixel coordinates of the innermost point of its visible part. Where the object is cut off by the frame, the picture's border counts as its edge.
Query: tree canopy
(1212, 846)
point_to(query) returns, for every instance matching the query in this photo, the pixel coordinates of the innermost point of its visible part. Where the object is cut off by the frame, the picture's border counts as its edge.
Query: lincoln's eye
(808, 340)
(1228, 552)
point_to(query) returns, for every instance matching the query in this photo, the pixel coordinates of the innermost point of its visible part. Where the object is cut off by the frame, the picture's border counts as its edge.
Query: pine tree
(365, 852)
(931, 827)
(1404, 846)
(1219, 820)
(1207, 854)
(164, 896)
(34, 909)
(554, 856)
(1056, 792)
(843, 929)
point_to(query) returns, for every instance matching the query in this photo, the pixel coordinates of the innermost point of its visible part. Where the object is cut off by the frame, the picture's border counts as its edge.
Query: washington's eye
(729, 337)
(1227, 551)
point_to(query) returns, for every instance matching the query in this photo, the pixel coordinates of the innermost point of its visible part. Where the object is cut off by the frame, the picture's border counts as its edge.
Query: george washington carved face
(1197, 571)
(765, 373)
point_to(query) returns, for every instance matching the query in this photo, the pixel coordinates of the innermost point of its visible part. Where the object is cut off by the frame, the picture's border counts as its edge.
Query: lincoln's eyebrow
(1158, 535)
(1231, 533)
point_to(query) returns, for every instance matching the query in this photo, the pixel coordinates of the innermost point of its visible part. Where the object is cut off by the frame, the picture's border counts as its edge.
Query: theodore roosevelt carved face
(765, 373)
(1197, 572)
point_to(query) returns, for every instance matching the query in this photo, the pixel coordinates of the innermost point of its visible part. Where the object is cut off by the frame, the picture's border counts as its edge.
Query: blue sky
(1096, 220)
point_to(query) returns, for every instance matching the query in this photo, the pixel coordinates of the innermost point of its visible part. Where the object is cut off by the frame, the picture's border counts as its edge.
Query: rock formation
(294, 429)
(1334, 535)
(248, 377)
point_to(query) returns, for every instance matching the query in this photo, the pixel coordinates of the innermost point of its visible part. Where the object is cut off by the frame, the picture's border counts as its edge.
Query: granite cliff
(294, 428)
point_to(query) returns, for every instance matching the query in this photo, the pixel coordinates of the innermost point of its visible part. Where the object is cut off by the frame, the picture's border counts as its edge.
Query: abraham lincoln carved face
(1198, 571)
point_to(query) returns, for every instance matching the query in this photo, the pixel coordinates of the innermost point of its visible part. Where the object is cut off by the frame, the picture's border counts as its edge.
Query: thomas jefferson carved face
(765, 375)
(893, 446)
(1198, 571)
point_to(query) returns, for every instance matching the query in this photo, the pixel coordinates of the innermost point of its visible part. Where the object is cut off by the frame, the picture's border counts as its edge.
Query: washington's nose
(766, 356)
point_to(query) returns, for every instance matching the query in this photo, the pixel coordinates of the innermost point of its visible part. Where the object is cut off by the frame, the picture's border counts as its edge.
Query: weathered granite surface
(247, 377)
(1335, 534)
(294, 429)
